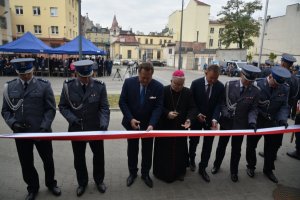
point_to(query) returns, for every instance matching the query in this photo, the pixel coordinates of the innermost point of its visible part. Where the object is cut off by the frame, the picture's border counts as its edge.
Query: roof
(200, 3)
(114, 23)
(127, 39)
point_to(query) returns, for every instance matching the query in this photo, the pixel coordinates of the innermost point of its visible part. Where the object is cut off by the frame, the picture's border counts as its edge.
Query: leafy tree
(272, 56)
(239, 25)
(249, 57)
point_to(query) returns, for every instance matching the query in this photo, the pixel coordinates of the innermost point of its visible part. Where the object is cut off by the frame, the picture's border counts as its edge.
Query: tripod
(118, 75)
(129, 71)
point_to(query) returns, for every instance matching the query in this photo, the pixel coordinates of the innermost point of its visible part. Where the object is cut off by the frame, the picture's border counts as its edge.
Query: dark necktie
(208, 89)
(83, 88)
(242, 90)
(25, 86)
(142, 95)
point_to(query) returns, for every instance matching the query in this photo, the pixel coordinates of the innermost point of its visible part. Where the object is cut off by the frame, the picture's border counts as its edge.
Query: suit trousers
(297, 135)
(97, 148)
(30, 175)
(236, 144)
(206, 149)
(133, 151)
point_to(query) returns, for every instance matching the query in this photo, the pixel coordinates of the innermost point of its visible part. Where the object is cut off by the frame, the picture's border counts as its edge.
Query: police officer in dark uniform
(287, 61)
(84, 104)
(239, 111)
(266, 70)
(28, 107)
(273, 111)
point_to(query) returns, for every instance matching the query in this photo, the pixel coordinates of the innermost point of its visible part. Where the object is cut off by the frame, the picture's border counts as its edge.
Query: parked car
(157, 63)
(232, 68)
(117, 62)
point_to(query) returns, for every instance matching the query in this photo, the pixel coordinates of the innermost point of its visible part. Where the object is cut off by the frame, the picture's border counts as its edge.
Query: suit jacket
(38, 108)
(94, 112)
(208, 107)
(246, 106)
(148, 113)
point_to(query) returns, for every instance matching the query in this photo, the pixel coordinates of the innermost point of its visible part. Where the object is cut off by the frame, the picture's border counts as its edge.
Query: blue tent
(72, 48)
(28, 43)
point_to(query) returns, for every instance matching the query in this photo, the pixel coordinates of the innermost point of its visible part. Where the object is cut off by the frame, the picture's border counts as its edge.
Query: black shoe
(234, 177)
(101, 187)
(180, 178)
(294, 154)
(131, 179)
(30, 196)
(204, 175)
(80, 190)
(148, 181)
(271, 176)
(215, 170)
(250, 172)
(192, 165)
(55, 190)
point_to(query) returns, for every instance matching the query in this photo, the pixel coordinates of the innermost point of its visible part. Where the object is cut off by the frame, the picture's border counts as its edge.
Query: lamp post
(180, 41)
(79, 30)
(263, 33)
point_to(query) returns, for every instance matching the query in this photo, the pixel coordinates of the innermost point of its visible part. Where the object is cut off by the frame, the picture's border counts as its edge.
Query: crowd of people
(247, 103)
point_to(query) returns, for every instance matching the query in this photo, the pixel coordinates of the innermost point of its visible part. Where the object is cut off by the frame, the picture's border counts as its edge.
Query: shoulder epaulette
(98, 81)
(43, 80)
(255, 85)
(69, 80)
(11, 81)
(286, 84)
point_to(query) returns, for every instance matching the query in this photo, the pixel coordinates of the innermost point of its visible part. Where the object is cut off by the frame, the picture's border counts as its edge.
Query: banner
(121, 134)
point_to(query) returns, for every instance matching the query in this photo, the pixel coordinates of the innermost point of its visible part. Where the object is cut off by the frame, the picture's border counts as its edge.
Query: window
(165, 41)
(19, 10)
(73, 3)
(211, 42)
(129, 54)
(70, 18)
(54, 30)
(3, 23)
(37, 29)
(53, 11)
(221, 31)
(151, 41)
(212, 30)
(4, 42)
(2, 3)
(160, 41)
(169, 41)
(219, 43)
(36, 10)
(158, 55)
(170, 51)
(146, 41)
(20, 28)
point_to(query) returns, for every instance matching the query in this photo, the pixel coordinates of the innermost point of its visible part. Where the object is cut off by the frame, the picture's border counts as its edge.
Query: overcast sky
(152, 15)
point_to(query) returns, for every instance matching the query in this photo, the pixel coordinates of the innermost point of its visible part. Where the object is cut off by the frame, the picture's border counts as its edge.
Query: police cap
(268, 62)
(250, 72)
(22, 65)
(255, 63)
(288, 58)
(280, 74)
(84, 68)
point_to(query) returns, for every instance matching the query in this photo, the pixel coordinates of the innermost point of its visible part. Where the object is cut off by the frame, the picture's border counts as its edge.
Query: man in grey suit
(84, 104)
(28, 107)
(239, 111)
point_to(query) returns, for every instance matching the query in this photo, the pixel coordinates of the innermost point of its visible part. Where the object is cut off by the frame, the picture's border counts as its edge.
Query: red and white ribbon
(121, 134)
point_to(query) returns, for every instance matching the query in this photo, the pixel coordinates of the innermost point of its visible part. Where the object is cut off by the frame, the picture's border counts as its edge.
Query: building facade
(5, 22)
(52, 21)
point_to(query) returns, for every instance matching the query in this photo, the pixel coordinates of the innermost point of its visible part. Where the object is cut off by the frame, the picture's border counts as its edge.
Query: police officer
(239, 111)
(84, 104)
(287, 61)
(273, 111)
(28, 107)
(266, 70)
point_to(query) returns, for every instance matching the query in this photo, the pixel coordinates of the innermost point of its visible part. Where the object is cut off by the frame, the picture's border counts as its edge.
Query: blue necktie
(142, 95)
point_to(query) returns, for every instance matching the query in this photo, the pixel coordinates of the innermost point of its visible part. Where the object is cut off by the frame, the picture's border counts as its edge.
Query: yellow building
(53, 21)
(99, 36)
(195, 22)
(5, 22)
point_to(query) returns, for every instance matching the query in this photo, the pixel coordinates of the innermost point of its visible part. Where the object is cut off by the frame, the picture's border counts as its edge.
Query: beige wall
(66, 19)
(195, 22)
(5, 32)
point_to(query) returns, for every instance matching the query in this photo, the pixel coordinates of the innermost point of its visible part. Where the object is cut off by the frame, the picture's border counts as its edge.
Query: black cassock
(171, 153)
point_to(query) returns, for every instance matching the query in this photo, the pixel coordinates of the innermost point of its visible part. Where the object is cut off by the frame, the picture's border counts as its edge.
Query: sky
(152, 15)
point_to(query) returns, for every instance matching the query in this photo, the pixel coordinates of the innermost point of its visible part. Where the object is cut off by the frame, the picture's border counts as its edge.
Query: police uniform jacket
(38, 108)
(239, 109)
(87, 111)
(273, 104)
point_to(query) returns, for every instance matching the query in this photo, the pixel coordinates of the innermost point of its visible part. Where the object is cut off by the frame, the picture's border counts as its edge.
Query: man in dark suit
(28, 107)
(84, 103)
(208, 93)
(239, 111)
(141, 103)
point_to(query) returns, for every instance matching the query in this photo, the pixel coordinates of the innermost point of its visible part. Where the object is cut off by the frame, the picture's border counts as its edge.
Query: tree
(249, 57)
(272, 56)
(239, 25)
